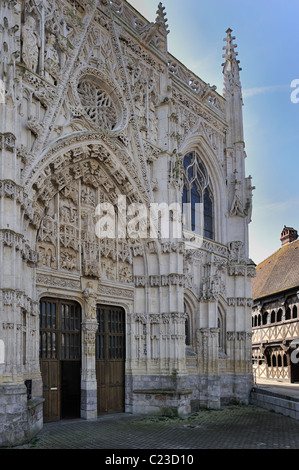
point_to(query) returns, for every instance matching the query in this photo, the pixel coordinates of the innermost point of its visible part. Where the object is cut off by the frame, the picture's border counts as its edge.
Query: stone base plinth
(171, 403)
(20, 419)
(89, 403)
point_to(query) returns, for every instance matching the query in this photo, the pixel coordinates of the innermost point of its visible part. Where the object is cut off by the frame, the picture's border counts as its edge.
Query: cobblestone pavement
(233, 427)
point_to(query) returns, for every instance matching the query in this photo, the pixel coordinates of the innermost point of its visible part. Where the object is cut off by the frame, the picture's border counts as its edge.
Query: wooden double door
(60, 358)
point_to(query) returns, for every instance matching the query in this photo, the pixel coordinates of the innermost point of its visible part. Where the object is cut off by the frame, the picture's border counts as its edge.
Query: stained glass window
(197, 199)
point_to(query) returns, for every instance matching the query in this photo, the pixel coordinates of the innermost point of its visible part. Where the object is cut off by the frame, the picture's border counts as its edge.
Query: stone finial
(231, 68)
(161, 21)
(229, 48)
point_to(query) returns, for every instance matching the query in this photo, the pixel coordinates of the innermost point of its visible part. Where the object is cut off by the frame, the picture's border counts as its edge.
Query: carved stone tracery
(97, 104)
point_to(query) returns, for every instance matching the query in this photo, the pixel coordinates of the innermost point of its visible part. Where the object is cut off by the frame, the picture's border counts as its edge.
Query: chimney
(288, 235)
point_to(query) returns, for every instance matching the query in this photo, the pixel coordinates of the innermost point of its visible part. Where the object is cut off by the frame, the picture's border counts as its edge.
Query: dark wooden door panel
(51, 385)
(110, 364)
(116, 385)
(102, 388)
(110, 379)
(60, 358)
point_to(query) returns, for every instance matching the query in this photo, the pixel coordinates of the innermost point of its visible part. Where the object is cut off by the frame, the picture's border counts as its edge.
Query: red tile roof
(277, 273)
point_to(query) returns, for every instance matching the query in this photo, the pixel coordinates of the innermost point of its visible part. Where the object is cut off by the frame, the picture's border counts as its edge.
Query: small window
(221, 332)
(28, 385)
(187, 332)
(294, 311)
(279, 315)
(265, 318)
(208, 215)
(285, 361)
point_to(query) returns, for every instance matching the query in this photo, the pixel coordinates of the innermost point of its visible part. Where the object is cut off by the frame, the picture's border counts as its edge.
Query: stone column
(88, 374)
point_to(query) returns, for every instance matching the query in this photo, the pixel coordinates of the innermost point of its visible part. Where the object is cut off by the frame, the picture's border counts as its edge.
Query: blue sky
(268, 44)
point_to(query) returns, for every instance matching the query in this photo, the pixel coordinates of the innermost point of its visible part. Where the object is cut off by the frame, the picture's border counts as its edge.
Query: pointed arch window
(221, 332)
(187, 332)
(187, 327)
(198, 203)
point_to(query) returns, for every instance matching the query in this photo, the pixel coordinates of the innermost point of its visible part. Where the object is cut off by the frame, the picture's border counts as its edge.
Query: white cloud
(249, 92)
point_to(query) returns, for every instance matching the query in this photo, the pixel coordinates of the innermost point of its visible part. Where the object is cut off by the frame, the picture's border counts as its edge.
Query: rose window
(98, 104)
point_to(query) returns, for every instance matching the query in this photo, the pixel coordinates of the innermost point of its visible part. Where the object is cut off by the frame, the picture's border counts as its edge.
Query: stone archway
(65, 195)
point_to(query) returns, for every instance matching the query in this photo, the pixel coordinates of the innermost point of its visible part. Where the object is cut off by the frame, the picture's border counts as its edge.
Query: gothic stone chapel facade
(95, 111)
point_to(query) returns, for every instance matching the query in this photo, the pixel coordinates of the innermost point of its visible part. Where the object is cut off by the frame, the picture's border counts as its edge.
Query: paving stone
(232, 427)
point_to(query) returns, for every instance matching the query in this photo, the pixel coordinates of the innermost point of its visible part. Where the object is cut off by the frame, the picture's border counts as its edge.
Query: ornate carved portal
(71, 252)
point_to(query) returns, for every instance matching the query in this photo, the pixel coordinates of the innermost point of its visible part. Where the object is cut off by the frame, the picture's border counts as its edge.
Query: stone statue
(90, 302)
(51, 58)
(30, 44)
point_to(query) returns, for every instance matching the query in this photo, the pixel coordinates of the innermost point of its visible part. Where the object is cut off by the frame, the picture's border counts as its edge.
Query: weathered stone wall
(20, 419)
